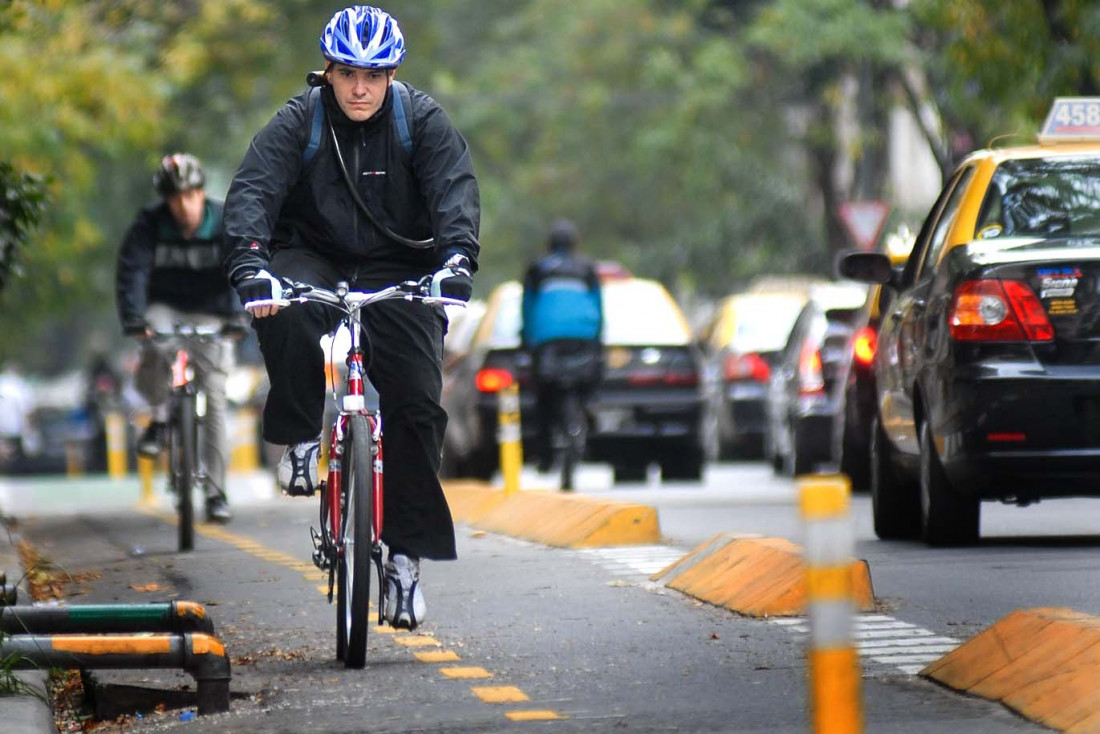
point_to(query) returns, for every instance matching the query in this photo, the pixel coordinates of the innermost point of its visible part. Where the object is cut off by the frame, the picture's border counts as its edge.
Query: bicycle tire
(184, 469)
(574, 435)
(354, 570)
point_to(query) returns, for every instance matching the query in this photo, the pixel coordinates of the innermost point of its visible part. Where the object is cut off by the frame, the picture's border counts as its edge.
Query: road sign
(864, 221)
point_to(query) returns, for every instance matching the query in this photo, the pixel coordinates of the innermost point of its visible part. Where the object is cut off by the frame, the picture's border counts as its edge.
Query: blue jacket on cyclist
(561, 293)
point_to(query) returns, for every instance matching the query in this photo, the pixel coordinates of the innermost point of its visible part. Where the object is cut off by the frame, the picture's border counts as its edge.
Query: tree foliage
(695, 141)
(22, 204)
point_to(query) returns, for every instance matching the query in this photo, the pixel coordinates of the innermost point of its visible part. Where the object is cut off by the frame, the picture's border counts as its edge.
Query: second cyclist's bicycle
(186, 412)
(349, 540)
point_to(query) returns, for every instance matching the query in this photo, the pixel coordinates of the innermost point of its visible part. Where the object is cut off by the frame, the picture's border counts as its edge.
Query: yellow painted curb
(754, 575)
(553, 518)
(1043, 663)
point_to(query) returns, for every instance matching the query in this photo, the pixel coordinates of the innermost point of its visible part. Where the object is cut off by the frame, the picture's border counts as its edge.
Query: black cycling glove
(455, 279)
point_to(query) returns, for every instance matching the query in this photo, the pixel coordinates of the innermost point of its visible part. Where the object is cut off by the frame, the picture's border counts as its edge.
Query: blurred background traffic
(716, 155)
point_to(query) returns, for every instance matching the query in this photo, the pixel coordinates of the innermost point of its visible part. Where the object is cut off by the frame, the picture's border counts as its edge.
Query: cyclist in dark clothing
(292, 212)
(562, 324)
(169, 272)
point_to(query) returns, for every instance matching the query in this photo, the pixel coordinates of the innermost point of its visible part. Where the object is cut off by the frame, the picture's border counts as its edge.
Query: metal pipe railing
(201, 655)
(174, 616)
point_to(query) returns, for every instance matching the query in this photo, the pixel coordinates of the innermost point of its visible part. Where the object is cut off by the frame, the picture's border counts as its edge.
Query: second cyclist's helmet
(365, 37)
(178, 172)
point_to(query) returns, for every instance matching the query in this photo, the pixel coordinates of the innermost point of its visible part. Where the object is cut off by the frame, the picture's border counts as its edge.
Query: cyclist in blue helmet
(362, 179)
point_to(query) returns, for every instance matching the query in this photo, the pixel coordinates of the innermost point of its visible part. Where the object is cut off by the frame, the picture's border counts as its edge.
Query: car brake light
(747, 367)
(493, 379)
(810, 377)
(864, 344)
(996, 310)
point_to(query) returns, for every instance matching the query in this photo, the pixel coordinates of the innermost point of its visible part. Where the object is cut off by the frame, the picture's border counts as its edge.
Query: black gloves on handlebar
(260, 286)
(455, 279)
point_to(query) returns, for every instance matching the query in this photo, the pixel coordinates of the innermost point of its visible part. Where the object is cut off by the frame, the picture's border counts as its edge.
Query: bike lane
(551, 637)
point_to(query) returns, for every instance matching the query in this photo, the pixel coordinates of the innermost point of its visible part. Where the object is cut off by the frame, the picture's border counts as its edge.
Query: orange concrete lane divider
(753, 575)
(553, 518)
(1043, 663)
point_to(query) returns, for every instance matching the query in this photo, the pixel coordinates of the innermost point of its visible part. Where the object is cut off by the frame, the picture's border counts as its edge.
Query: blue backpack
(401, 102)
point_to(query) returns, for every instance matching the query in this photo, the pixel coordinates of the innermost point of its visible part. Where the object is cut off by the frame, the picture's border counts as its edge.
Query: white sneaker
(297, 471)
(405, 607)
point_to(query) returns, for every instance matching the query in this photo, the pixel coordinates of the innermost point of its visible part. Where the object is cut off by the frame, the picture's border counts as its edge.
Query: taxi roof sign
(1072, 120)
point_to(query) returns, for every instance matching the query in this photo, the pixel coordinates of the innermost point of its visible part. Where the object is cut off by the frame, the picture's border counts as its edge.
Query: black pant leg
(406, 368)
(289, 342)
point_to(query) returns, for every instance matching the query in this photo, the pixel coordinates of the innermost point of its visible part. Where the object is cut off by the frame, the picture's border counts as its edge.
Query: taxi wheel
(947, 518)
(895, 499)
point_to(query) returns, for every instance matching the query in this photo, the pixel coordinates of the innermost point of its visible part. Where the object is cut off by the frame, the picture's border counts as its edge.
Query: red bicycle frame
(335, 472)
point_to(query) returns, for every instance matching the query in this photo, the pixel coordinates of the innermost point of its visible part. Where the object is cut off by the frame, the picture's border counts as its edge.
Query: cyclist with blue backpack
(562, 327)
(363, 179)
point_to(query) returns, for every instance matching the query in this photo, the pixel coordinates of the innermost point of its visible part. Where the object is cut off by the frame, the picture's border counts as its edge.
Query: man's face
(186, 208)
(359, 92)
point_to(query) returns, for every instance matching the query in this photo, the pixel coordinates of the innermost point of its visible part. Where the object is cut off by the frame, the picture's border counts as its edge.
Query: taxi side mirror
(865, 267)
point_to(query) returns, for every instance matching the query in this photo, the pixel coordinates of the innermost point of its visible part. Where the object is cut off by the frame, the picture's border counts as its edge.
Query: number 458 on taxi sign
(1072, 119)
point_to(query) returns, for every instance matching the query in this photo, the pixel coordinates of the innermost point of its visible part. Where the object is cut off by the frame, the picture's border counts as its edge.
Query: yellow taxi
(987, 371)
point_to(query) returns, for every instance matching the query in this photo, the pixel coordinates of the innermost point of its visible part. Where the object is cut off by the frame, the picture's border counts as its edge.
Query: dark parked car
(988, 363)
(855, 387)
(741, 344)
(648, 409)
(474, 372)
(801, 402)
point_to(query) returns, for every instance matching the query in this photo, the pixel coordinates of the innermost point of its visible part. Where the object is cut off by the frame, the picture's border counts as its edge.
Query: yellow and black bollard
(834, 675)
(510, 437)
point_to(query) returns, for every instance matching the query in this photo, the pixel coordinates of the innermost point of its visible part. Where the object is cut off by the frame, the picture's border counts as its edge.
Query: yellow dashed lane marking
(488, 694)
(436, 656)
(417, 641)
(499, 694)
(456, 671)
(534, 715)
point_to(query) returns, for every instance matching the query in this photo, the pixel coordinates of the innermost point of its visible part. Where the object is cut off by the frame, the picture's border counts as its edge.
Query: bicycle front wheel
(182, 454)
(354, 567)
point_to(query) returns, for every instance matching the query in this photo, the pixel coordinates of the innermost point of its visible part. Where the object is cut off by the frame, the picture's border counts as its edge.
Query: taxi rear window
(1042, 197)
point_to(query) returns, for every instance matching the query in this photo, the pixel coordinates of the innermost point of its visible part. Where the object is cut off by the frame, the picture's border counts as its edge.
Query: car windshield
(763, 323)
(1043, 197)
(636, 312)
(641, 312)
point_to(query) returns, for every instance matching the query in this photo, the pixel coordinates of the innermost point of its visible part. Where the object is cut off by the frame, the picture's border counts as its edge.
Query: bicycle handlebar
(190, 331)
(350, 301)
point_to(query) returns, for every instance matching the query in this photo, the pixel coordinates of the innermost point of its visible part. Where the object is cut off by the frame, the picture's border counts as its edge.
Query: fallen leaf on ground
(147, 587)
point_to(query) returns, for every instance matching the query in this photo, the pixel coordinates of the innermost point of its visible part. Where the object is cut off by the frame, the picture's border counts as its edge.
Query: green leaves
(22, 204)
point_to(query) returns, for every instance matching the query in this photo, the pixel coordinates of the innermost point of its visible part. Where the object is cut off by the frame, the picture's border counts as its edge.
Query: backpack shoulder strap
(402, 112)
(316, 120)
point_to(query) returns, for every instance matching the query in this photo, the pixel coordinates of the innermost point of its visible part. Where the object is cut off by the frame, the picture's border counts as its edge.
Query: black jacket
(157, 265)
(275, 202)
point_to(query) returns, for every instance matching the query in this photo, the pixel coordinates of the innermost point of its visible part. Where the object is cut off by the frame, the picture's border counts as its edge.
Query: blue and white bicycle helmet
(365, 37)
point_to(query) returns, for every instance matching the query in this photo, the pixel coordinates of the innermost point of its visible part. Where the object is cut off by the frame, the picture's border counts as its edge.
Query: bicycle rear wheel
(182, 456)
(354, 567)
(574, 435)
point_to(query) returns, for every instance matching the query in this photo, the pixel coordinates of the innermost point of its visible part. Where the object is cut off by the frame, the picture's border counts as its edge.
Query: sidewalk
(44, 495)
(23, 713)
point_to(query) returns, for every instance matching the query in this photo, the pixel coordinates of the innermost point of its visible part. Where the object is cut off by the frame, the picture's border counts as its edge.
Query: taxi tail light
(998, 310)
(810, 377)
(493, 379)
(864, 344)
(749, 366)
